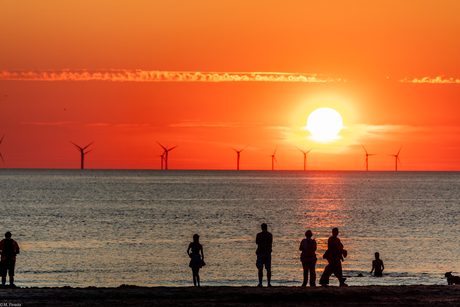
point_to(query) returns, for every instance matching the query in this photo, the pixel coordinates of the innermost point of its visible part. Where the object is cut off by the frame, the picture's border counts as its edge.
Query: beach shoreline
(234, 296)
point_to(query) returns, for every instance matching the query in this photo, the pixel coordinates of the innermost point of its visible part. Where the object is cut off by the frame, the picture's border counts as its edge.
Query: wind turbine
(304, 158)
(274, 159)
(165, 154)
(0, 152)
(238, 157)
(367, 157)
(83, 153)
(397, 159)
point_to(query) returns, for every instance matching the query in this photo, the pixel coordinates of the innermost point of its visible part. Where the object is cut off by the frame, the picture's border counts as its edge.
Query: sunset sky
(209, 76)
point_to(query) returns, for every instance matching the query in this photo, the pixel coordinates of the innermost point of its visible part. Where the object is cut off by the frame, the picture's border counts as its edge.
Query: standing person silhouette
(334, 255)
(10, 249)
(264, 242)
(377, 265)
(197, 259)
(308, 258)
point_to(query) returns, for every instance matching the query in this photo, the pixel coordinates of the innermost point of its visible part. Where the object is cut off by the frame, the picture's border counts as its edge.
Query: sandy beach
(234, 296)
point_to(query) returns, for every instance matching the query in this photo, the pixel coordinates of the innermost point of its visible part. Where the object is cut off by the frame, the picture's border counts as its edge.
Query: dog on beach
(451, 279)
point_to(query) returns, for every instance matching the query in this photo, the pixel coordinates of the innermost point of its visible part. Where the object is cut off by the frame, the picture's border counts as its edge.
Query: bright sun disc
(324, 123)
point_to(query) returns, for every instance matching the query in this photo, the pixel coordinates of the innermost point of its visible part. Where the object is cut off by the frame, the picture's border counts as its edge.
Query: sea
(106, 228)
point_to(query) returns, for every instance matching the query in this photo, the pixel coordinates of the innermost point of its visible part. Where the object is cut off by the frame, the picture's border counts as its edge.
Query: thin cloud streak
(114, 75)
(198, 124)
(438, 80)
(48, 124)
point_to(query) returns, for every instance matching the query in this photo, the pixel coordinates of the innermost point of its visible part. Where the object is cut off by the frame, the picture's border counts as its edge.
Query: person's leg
(324, 280)
(3, 272)
(338, 272)
(194, 272)
(311, 267)
(305, 273)
(11, 272)
(198, 276)
(261, 275)
(269, 277)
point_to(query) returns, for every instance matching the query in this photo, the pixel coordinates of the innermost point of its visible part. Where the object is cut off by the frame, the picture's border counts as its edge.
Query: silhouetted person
(308, 258)
(264, 242)
(334, 256)
(197, 259)
(377, 266)
(10, 249)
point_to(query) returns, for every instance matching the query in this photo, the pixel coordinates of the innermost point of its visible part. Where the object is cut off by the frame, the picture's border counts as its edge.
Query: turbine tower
(274, 159)
(397, 159)
(367, 157)
(0, 152)
(165, 154)
(162, 157)
(83, 153)
(304, 158)
(238, 157)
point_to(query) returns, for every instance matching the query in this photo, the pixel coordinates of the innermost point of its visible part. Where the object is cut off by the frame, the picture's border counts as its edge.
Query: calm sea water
(113, 227)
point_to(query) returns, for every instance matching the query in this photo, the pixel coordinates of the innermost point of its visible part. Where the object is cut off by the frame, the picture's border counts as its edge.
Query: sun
(324, 124)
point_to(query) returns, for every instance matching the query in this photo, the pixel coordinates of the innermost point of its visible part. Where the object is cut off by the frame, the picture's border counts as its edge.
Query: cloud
(199, 124)
(132, 125)
(115, 75)
(48, 124)
(439, 79)
(98, 125)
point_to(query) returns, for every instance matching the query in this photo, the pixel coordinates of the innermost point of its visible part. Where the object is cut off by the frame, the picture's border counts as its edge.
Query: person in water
(334, 255)
(264, 242)
(308, 258)
(9, 249)
(377, 265)
(195, 252)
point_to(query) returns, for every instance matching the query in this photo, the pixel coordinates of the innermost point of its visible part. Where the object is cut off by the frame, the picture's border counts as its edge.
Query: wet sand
(234, 296)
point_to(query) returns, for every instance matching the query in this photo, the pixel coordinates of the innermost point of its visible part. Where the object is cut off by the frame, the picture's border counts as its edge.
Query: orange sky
(76, 71)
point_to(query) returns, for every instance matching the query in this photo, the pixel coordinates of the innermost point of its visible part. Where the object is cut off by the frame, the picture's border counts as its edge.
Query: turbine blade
(275, 150)
(399, 151)
(364, 149)
(88, 145)
(76, 145)
(172, 148)
(88, 151)
(309, 151)
(2, 157)
(161, 145)
(2, 139)
(300, 150)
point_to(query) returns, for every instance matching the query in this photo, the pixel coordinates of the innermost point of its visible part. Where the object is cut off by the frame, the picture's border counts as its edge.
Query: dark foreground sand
(234, 296)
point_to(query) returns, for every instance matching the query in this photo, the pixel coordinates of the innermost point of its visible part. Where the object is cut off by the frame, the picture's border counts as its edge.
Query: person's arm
(188, 250)
(300, 247)
(1, 245)
(202, 255)
(383, 267)
(16, 247)
(339, 246)
(373, 264)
